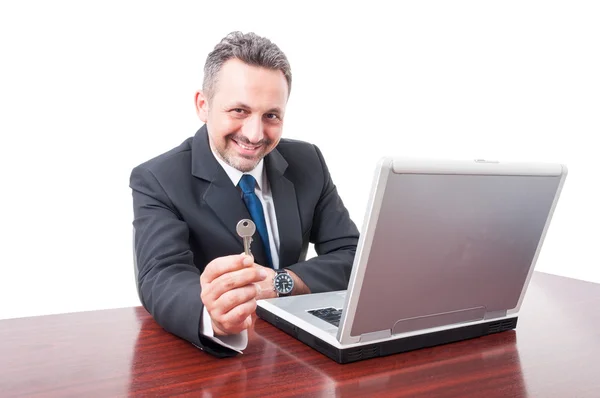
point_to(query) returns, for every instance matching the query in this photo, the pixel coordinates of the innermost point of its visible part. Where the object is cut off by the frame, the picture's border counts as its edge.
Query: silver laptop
(446, 252)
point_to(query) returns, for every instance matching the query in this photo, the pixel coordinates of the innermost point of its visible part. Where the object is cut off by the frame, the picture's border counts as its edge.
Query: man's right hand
(229, 291)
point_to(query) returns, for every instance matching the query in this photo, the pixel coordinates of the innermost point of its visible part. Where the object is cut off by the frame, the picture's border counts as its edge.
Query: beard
(242, 162)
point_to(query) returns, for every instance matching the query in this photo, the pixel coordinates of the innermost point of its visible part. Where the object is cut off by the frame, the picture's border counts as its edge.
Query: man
(187, 203)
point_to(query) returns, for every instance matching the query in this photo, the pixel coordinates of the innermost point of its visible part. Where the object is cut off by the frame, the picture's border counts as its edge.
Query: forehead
(252, 85)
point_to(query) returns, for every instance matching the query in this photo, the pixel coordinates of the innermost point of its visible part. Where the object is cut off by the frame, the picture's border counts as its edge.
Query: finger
(223, 265)
(233, 298)
(227, 282)
(234, 280)
(236, 320)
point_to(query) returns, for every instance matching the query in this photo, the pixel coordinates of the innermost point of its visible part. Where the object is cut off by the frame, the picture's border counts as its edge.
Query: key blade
(247, 243)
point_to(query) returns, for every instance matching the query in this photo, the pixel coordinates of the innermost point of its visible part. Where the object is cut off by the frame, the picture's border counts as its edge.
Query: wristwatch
(283, 284)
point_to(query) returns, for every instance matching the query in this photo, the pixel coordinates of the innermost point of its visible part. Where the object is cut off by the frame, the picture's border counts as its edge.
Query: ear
(201, 105)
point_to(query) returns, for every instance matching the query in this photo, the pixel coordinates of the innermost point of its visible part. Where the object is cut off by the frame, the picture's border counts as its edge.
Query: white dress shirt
(239, 341)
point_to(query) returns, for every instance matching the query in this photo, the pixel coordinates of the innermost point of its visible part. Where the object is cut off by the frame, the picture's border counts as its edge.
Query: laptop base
(384, 348)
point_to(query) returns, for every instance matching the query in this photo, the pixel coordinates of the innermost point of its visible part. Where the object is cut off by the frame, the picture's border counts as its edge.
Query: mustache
(243, 140)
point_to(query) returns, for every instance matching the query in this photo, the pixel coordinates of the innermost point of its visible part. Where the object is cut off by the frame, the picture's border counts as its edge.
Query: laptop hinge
(382, 334)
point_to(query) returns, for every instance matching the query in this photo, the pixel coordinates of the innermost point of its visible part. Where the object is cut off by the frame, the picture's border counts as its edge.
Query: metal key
(245, 229)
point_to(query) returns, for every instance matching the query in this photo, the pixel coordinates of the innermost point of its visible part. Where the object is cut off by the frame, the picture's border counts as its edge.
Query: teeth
(246, 147)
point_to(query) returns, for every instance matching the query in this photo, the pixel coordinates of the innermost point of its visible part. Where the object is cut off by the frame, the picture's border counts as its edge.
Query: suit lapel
(221, 195)
(286, 208)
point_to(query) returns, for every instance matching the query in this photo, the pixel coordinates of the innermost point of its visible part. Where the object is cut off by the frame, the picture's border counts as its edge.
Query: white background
(89, 89)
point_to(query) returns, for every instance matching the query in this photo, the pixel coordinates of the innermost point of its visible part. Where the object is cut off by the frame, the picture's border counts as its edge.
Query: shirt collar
(235, 175)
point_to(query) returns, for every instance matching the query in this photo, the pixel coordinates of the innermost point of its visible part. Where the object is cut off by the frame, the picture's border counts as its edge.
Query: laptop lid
(446, 242)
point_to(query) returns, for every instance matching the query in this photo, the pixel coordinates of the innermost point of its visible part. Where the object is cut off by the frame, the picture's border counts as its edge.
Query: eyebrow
(242, 105)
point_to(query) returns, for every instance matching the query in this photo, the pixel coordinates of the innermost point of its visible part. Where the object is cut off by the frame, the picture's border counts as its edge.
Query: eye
(272, 116)
(238, 112)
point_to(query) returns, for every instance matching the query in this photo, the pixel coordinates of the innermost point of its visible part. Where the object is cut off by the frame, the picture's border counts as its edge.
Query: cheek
(222, 126)
(274, 133)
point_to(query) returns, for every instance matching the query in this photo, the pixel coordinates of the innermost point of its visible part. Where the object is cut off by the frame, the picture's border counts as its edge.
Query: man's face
(245, 115)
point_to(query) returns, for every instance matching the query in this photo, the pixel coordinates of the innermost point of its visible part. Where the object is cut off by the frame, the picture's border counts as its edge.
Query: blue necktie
(247, 183)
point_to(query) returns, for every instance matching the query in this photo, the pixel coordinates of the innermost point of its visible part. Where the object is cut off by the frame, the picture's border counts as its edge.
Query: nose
(253, 129)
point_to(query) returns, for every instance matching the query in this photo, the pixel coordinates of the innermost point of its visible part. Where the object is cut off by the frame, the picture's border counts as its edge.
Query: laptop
(446, 252)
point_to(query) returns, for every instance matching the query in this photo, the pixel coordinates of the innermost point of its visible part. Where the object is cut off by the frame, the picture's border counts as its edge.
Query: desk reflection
(488, 366)
(164, 365)
(275, 364)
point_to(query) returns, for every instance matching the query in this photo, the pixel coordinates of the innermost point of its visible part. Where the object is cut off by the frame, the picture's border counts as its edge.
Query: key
(245, 229)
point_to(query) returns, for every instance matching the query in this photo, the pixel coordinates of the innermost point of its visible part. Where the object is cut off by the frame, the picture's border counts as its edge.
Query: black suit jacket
(185, 213)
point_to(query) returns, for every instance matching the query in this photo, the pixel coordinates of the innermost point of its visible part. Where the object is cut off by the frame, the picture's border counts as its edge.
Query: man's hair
(248, 48)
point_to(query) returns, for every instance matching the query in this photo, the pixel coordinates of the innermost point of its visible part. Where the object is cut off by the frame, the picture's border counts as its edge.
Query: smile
(247, 147)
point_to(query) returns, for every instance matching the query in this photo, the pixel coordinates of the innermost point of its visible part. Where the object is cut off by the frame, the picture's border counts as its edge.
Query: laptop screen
(451, 248)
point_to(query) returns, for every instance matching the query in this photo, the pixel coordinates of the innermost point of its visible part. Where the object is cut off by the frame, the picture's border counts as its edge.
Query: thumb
(248, 259)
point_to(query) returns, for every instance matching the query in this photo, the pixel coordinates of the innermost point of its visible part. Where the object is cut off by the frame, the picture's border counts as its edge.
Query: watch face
(284, 283)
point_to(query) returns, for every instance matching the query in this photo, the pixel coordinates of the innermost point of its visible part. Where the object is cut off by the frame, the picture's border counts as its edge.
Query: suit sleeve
(335, 237)
(168, 282)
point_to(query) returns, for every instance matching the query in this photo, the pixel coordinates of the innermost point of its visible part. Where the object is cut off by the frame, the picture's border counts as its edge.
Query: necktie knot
(247, 183)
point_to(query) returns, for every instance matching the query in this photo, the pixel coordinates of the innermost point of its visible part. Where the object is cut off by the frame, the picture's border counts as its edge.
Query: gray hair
(248, 48)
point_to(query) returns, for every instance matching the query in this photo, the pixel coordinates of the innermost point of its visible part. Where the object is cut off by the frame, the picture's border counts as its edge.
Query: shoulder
(304, 161)
(169, 161)
(295, 151)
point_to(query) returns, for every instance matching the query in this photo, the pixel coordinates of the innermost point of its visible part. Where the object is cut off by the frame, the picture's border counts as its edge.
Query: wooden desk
(555, 352)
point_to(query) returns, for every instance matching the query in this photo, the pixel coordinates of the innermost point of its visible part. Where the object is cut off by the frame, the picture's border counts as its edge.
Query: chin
(243, 164)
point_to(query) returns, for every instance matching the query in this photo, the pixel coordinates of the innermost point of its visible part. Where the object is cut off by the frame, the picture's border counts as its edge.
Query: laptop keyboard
(330, 314)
